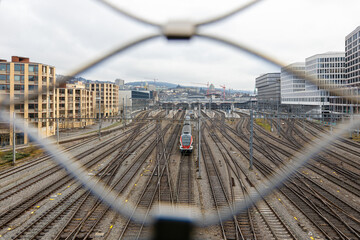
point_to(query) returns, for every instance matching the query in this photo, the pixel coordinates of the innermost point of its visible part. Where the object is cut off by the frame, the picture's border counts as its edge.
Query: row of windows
(21, 68)
(327, 65)
(331, 76)
(304, 99)
(351, 57)
(352, 38)
(353, 68)
(351, 45)
(352, 63)
(31, 78)
(18, 87)
(354, 80)
(353, 74)
(336, 70)
(332, 59)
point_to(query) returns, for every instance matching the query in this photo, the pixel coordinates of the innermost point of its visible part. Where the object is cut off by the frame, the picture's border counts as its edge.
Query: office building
(108, 93)
(30, 88)
(75, 106)
(352, 71)
(135, 100)
(268, 89)
(292, 85)
(352, 56)
(327, 69)
(120, 83)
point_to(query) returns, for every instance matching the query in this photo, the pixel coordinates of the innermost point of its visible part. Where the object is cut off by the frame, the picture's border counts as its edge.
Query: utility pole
(331, 118)
(14, 140)
(351, 119)
(123, 109)
(199, 144)
(99, 118)
(125, 112)
(251, 135)
(210, 101)
(278, 119)
(57, 131)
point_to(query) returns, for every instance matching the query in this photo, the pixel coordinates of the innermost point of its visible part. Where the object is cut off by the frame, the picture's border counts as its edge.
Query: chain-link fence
(175, 30)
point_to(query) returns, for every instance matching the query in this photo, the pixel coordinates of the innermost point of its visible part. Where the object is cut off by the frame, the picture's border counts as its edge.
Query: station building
(29, 87)
(134, 100)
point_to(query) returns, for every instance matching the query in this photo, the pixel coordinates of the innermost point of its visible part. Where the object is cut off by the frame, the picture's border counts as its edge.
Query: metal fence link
(176, 30)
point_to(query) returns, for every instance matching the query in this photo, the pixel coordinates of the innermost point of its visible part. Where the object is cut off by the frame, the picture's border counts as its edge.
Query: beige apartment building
(30, 88)
(75, 104)
(109, 96)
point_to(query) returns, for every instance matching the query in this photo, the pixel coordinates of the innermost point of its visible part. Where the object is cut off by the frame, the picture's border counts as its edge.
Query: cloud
(67, 34)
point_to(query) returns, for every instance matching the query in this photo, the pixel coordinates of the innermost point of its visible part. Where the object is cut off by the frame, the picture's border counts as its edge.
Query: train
(186, 139)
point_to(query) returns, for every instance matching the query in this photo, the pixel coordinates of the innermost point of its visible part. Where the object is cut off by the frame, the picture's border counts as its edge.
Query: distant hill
(158, 84)
(143, 83)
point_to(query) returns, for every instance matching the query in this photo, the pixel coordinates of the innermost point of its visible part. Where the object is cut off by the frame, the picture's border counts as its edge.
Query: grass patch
(6, 157)
(112, 125)
(108, 127)
(263, 123)
(355, 137)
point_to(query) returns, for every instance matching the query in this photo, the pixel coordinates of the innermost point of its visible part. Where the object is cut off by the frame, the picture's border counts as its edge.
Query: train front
(186, 144)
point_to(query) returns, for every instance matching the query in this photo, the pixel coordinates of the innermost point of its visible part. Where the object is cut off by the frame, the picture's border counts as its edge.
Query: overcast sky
(68, 33)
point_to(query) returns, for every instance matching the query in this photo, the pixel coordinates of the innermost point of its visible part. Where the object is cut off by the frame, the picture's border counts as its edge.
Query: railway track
(273, 225)
(185, 181)
(9, 172)
(158, 188)
(14, 211)
(316, 210)
(55, 169)
(230, 228)
(344, 177)
(83, 222)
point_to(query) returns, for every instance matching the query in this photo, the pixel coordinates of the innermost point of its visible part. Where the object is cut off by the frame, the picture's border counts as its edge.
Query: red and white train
(186, 139)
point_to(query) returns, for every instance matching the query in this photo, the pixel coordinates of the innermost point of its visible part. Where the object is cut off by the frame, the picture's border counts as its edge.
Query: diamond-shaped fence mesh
(184, 30)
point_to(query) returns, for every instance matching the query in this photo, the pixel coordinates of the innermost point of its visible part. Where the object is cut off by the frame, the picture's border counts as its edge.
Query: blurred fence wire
(184, 30)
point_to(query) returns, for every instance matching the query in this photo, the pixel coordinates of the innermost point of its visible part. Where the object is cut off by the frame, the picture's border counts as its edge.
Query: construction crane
(223, 86)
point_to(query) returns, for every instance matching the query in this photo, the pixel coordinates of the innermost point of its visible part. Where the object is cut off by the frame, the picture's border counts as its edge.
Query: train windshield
(186, 140)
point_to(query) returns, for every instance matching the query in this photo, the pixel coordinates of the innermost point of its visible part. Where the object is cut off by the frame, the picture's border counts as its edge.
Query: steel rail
(230, 229)
(273, 229)
(309, 203)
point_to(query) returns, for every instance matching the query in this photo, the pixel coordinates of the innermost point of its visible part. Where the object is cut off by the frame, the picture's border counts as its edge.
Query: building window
(19, 78)
(19, 87)
(19, 68)
(33, 68)
(4, 86)
(5, 77)
(32, 87)
(2, 66)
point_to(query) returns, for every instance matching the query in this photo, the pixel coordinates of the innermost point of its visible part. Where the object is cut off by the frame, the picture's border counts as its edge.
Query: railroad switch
(172, 228)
